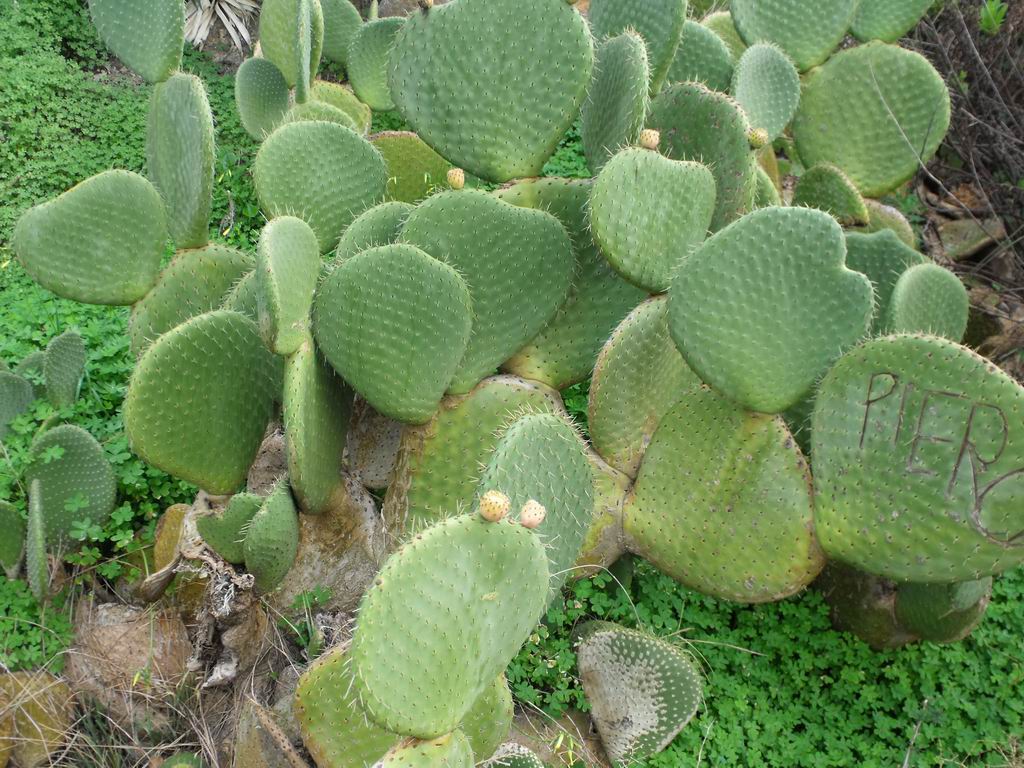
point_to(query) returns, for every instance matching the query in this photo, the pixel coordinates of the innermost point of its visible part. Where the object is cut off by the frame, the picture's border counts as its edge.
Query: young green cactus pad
(616, 106)
(563, 353)
(180, 156)
(722, 503)
(499, 106)
(287, 268)
(513, 756)
(37, 567)
(521, 468)
(439, 463)
(213, 371)
(929, 299)
(75, 478)
(767, 86)
(489, 721)
(261, 96)
(882, 217)
(917, 462)
(876, 111)
(642, 690)
(147, 35)
(807, 30)
(321, 172)
(402, 366)
(451, 751)
(99, 243)
(318, 110)
(13, 540)
(414, 169)
(64, 368)
(292, 36)
(800, 306)
(224, 531)
(272, 539)
(708, 127)
(183, 760)
(367, 63)
(16, 395)
(341, 22)
(517, 262)
(828, 189)
(721, 24)
(703, 57)
(645, 243)
(887, 20)
(659, 23)
(317, 409)
(493, 585)
(341, 97)
(195, 282)
(942, 613)
(883, 257)
(380, 225)
(639, 376)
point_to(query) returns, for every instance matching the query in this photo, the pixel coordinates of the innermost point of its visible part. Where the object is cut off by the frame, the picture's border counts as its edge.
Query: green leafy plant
(992, 16)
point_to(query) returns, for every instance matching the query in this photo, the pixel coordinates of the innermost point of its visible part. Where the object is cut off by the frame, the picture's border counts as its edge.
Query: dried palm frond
(200, 16)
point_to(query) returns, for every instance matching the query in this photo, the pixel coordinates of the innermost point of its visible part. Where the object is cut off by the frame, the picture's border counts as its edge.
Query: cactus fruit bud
(532, 514)
(426, 5)
(456, 178)
(649, 139)
(494, 505)
(758, 137)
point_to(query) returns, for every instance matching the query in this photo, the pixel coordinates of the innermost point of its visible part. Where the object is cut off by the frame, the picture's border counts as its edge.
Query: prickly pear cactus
(224, 530)
(261, 96)
(272, 538)
(16, 396)
(942, 613)
(147, 35)
(767, 86)
(513, 756)
(451, 751)
(64, 368)
(12, 545)
(887, 20)
(929, 299)
(883, 258)
(807, 30)
(380, 225)
(702, 57)
(659, 23)
(341, 23)
(367, 61)
(828, 189)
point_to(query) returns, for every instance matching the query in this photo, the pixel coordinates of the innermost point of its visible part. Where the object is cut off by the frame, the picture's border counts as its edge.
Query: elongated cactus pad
(703, 57)
(403, 364)
(617, 99)
(451, 751)
(272, 539)
(489, 721)
(320, 172)
(800, 306)
(721, 24)
(767, 86)
(147, 35)
(766, 194)
(439, 463)
(37, 566)
(807, 30)
(639, 376)
(564, 352)
(828, 189)
(488, 579)
(877, 112)
(646, 243)
(513, 756)
(317, 410)
(224, 531)
(500, 105)
(318, 110)
(517, 262)
(708, 127)
(918, 459)
(341, 97)
(75, 477)
(414, 169)
(261, 96)
(180, 156)
(341, 22)
(16, 395)
(292, 35)
(883, 257)
(722, 503)
(929, 299)
(659, 23)
(367, 61)
(99, 243)
(380, 225)
(193, 283)
(642, 691)
(287, 267)
(64, 368)
(942, 613)
(214, 371)
(12, 544)
(887, 20)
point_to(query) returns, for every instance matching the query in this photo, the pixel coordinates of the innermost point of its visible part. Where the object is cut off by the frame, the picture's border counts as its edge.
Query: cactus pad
(341, 97)
(451, 751)
(877, 112)
(367, 63)
(318, 110)
(214, 371)
(100, 242)
(147, 35)
(499, 106)
(807, 30)
(642, 690)
(180, 156)
(272, 539)
(721, 24)
(517, 263)
(320, 172)
(616, 106)
(942, 613)
(64, 368)
(37, 566)
(513, 756)
(403, 365)
(767, 86)
(645, 243)
(380, 225)
(493, 586)
(828, 189)
(12, 543)
(341, 22)
(766, 194)
(488, 723)
(291, 35)
(414, 169)
(722, 503)
(883, 257)
(16, 395)
(287, 267)
(887, 20)
(224, 531)
(703, 57)
(929, 299)
(780, 272)
(563, 353)
(659, 23)
(261, 96)
(882, 217)
(863, 605)
(918, 460)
